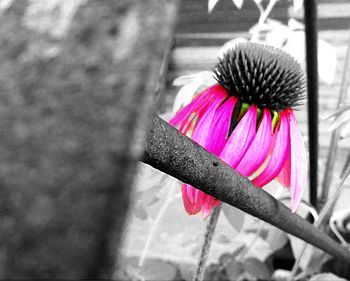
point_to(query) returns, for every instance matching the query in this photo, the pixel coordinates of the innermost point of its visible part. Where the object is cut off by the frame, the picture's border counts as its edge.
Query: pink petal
(298, 177)
(284, 176)
(196, 193)
(195, 115)
(200, 197)
(259, 148)
(190, 193)
(279, 154)
(220, 126)
(240, 139)
(183, 114)
(211, 124)
(201, 130)
(211, 132)
(209, 203)
(198, 104)
(190, 208)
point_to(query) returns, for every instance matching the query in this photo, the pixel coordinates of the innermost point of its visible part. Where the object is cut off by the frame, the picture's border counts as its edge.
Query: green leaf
(234, 216)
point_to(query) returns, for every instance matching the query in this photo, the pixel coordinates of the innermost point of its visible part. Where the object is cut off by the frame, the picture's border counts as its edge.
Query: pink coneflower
(247, 120)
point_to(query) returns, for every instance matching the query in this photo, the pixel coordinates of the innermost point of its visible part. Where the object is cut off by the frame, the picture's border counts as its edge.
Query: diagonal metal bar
(310, 10)
(175, 154)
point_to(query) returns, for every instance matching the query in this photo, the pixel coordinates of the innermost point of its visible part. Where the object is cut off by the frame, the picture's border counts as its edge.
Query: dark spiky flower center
(261, 75)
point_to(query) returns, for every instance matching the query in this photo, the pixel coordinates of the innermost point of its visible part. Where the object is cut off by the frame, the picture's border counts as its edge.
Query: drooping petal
(284, 176)
(240, 138)
(200, 198)
(259, 148)
(220, 126)
(190, 193)
(200, 110)
(186, 116)
(183, 114)
(298, 177)
(203, 134)
(279, 153)
(190, 207)
(209, 203)
(192, 85)
(201, 130)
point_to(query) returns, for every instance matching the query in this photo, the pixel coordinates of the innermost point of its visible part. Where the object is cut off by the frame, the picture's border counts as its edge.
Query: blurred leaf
(295, 45)
(211, 5)
(297, 244)
(213, 273)
(258, 247)
(297, 247)
(281, 275)
(152, 269)
(145, 199)
(297, 5)
(148, 196)
(238, 250)
(341, 119)
(225, 258)
(276, 238)
(234, 269)
(140, 212)
(152, 201)
(327, 61)
(293, 24)
(234, 216)
(192, 85)
(337, 112)
(345, 131)
(238, 3)
(326, 277)
(327, 58)
(276, 33)
(317, 259)
(257, 268)
(184, 79)
(187, 271)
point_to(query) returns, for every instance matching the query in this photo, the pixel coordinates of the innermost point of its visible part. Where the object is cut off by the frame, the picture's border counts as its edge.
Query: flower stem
(208, 238)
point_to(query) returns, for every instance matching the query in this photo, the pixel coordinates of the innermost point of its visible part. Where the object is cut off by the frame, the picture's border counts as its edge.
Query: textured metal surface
(173, 153)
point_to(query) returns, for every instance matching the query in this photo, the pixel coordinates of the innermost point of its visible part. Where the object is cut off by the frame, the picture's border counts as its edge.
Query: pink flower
(247, 120)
